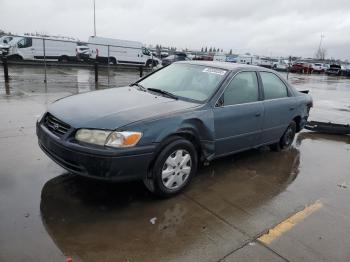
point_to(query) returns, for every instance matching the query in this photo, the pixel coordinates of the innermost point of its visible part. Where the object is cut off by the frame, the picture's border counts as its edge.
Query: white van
(32, 48)
(121, 51)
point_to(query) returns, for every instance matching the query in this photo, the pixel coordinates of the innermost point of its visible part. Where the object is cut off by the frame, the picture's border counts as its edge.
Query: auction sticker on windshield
(214, 71)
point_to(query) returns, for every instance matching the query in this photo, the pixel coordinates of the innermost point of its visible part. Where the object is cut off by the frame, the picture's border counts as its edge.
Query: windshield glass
(188, 81)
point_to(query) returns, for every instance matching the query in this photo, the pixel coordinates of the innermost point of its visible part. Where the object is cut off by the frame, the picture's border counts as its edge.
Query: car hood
(113, 108)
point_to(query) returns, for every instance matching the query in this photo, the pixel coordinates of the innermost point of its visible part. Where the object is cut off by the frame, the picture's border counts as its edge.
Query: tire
(63, 59)
(112, 61)
(15, 58)
(287, 138)
(173, 169)
(149, 63)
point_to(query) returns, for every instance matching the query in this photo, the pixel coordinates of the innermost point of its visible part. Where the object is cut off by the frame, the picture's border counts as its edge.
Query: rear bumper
(109, 164)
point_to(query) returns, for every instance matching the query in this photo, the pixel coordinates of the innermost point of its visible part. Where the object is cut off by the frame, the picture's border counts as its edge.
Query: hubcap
(176, 169)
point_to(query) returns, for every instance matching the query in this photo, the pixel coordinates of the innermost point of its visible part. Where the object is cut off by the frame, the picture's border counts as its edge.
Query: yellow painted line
(290, 222)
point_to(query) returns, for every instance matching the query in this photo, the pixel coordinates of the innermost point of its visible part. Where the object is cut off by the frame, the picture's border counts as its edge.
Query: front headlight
(123, 139)
(108, 138)
(92, 136)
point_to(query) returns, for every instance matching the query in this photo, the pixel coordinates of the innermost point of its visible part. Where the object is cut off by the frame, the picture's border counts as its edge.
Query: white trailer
(32, 48)
(221, 57)
(121, 51)
(246, 59)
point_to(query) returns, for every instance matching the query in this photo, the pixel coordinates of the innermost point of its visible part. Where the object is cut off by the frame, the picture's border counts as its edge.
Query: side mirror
(220, 102)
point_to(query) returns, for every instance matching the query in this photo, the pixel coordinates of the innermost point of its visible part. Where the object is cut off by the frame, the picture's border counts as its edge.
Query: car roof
(225, 65)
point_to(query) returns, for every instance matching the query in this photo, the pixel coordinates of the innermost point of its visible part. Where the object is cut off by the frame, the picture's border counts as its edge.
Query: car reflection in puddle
(89, 220)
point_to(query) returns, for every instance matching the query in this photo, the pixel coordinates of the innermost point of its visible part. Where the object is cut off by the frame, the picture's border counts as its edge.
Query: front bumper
(107, 164)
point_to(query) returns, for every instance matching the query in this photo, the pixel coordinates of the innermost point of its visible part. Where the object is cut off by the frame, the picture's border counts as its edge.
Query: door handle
(257, 114)
(291, 108)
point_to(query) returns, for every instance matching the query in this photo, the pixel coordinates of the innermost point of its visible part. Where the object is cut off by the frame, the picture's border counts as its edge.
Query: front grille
(55, 125)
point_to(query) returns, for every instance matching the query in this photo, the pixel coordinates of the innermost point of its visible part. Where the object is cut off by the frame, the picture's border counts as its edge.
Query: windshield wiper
(166, 93)
(140, 86)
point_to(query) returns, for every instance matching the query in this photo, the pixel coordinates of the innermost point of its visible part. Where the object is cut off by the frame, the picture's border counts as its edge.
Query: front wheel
(287, 138)
(151, 63)
(173, 168)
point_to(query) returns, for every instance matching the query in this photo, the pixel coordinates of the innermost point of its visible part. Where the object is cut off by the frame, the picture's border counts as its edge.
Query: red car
(303, 68)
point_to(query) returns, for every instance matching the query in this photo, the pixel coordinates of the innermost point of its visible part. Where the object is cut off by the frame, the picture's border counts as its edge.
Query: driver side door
(25, 48)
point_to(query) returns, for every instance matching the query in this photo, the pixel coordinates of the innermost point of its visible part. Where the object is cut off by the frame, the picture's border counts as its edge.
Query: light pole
(319, 47)
(94, 19)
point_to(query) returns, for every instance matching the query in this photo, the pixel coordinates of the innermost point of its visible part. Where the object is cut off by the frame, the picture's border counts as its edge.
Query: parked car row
(320, 68)
(100, 49)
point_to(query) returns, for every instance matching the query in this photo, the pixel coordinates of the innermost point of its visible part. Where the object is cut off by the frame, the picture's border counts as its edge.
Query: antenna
(94, 19)
(322, 36)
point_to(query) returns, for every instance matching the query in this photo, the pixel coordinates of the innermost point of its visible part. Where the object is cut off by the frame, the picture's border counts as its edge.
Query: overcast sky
(265, 27)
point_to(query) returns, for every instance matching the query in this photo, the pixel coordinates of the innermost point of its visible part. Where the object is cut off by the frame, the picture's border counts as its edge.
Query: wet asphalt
(47, 214)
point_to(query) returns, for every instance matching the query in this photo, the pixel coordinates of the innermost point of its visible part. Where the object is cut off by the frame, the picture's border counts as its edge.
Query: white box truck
(32, 48)
(121, 51)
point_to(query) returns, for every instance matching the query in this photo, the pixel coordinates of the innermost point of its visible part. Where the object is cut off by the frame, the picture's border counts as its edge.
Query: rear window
(273, 86)
(242, 89)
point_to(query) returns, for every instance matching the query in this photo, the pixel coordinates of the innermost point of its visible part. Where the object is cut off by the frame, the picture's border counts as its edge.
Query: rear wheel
(112, 61)
(173, 168)
(63, 59)
(287, 138)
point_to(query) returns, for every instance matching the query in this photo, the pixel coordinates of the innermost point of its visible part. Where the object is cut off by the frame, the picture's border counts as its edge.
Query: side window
(273, 86)
(145, 51)
(24, 42)
(242, 89)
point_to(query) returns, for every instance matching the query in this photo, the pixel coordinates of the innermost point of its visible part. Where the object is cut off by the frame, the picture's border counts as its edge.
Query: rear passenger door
(279, 107)
(238, 115)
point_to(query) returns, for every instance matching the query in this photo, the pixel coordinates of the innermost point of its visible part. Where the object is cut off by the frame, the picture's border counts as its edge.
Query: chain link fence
(32, 64)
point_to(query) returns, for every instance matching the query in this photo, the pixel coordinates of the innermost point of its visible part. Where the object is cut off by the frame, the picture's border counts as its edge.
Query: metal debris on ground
(153, 220)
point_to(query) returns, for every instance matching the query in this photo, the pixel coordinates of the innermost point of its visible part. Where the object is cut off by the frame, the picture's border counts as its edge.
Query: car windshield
(186, 81)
